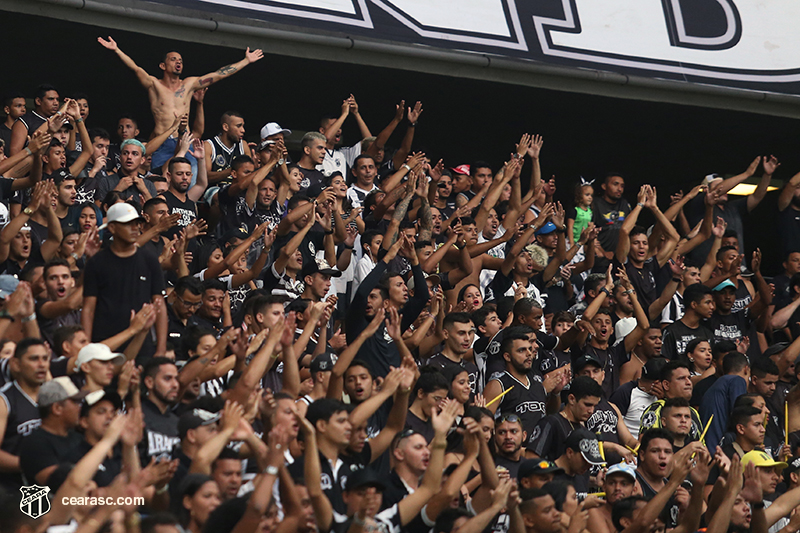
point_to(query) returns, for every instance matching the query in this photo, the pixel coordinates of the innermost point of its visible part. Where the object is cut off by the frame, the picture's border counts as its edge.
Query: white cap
(624, 326)
(273, 128)
(122, 212)
(100, 352)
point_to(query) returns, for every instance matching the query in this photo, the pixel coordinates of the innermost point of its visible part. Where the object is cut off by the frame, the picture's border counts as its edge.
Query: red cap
(461, 169)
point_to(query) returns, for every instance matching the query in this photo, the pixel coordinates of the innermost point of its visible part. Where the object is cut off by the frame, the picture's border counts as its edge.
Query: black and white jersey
(525, 400)
(23, 418)
(222, 156)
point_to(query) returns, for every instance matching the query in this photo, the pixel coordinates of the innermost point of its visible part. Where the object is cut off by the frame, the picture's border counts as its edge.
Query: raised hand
(253, 56)
(524, 144)
(755, 264)
(677, 267)
(375, 323)
(752, 490)
(751, 170)
(198, 149)
(558, 215)
(39, 140)
(413, 114)
(719, 228)
(443, 421)
(110, 44)
(399, 110)
(535, 146)
(393, 325)
(353, 105)
(651, 202)
(200, 95)
(641, 197)
(436, 171)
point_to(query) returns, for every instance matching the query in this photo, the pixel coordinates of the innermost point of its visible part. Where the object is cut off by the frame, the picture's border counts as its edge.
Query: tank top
(23, 418)
(527, 402)
(222, 156)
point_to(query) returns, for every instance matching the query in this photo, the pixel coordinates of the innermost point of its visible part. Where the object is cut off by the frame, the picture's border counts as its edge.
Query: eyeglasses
(189, 305)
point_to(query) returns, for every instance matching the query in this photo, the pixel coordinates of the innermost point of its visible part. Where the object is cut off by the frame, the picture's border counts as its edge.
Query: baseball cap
(623, 468)
(758, 457)
(794, 466)
(323, 362)
(623, 327)
(724, 285)
(533, 467)
(93, 398)
(8, 284)
(195, 418)
(586, 359)
(435, 279)
(461, 169)
(776, 348)
(59, 389)
(652, 368)
(319, 266)
(364, 477)
(546, 229)
(710, 178)
(584, 441)
(60, 175)
(235, 233)
(273, 128)
(122, 212)
(208, 196)
(97, 351)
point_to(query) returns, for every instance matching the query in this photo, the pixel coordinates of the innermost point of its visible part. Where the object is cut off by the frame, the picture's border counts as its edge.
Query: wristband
(346, 247)
(29, 318)
(677, 280)
(271, 470)
(412, 124)
(78, 120)
(630, 291)
(328, 232)
(606, 291)
(5, 314)
(640, 204)
(517, 156)
(163, 489)
(758, 505)
(75, 256)
(28, 150)
(405, 166)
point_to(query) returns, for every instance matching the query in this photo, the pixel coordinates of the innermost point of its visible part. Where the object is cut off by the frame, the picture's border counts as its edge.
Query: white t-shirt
(339, 159)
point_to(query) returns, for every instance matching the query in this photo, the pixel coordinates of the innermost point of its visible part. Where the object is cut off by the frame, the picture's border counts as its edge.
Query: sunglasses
(514, 419)
(443, 185)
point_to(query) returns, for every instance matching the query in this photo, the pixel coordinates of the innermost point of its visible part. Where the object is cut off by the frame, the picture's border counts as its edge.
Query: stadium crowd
(353, 338)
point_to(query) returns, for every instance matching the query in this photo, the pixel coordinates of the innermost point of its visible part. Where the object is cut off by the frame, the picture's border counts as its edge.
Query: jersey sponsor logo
(27, 427)
(649, 419)
(34, 501)
(536, 433)
(158, 443)
(219, 160)
(530, 407)
(325, 481)
(603, 422)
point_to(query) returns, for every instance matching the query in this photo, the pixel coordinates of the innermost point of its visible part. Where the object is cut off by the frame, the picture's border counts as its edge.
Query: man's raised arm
(228, 70)
(144, 78)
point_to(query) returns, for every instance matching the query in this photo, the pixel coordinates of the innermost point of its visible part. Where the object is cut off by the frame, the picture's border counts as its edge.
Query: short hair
(25, 344)
(670, 368)
(653, 434)
(9, 98)
(528, 495)
(324, 409)
(455, 318)
(369, 236)
(64, 334)
(466, 221)
(480, 315)
(594, 282)
(371, 200)
(188, 283)
(129, 117)
(730, 233)
(43, 89)
(99, 133)
(431, 379)
(150, 523)
(740, 415)
(637, 230)
(525, 306)
(669, 403)
(761, 366)
(227, 115)
(214, 284)
(153, 366)
(624, 508)
(478, 164)
(359, 158)
(152, 202)
(55, 262)
(694, 294)
(721, 348)
(747, 400)
(447, 519)
(362, 363)
(724, 249)
(584, 387)
(612, 175)
(191, 338)
(562, 316)
(176, 161)
(309, 138)
(295, 200)
(734, 362)
(241, 160)
(507, 344)
(558, 489)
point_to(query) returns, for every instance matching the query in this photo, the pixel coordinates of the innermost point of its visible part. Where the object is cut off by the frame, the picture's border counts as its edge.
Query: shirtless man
(171, 96)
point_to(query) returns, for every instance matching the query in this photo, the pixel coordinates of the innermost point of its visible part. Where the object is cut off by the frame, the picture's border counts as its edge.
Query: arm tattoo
(426, 221)
(399, 215)
(226, 70)
(206, 81)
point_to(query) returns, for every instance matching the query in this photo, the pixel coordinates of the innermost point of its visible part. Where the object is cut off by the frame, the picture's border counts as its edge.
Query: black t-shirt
(441, 361)
(310, 177)
(420, 426)
(42, 449)
(678, 335)
(186, 209)
(731, 327)
(109, 468)
(120, 284)
(548, 437)
(160, 433)
(700, 390)
(612, 359)
(789, 223)
(643, 280)
(312, 243)
(609, 218)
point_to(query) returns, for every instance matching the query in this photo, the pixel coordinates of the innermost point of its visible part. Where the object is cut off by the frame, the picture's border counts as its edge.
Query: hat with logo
(364, 477)
(59, 389)
(323, 362)
(95, 397)
(794, 466)
(759, 458)
(586, 359)
(8, 284)
(123, 213)
(710, 178)
(461, 169)
(536, 467)
(60, 175)
(195, 418)
(724, 285)
(273, 128)
(546, 229)
(319, 266)
(235, 233)
(584, 441)
(99, 352)
(623, 468)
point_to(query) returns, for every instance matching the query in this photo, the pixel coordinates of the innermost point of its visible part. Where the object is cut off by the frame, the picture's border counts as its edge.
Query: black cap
(323, 362)
(776, 348)
(793, 466)
(93, 398)
(195, 418)
(652, 368)
(60, 175)
(315, 190)
(584, 441)
(235, 233)
(534, 467)
(319, 266)
(364, 477)
(586, 359)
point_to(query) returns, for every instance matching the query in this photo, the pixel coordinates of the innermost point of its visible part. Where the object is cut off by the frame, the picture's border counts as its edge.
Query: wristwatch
(28, 211)
(272, 470)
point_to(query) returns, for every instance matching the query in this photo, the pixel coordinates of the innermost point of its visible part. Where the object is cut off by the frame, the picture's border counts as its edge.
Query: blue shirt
(719, 401)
